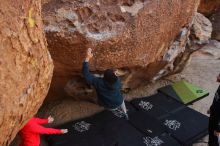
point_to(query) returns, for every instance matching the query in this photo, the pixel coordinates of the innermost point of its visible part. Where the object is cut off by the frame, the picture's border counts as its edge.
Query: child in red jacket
(30, 133)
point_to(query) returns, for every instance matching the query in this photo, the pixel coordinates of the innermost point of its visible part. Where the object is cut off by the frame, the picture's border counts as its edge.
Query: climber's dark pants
(213, 140)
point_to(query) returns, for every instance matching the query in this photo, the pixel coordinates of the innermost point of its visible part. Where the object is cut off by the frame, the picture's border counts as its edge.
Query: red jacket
(30, 133)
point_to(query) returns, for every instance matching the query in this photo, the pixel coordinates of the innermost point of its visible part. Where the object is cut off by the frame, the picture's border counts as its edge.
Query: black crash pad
(127, 135)
(117, 131)
(119, 113)
(186, 125)
(130, 107)
(147, 124)
(157, 105)
(80, 133)
(102, 129)
(162, 140)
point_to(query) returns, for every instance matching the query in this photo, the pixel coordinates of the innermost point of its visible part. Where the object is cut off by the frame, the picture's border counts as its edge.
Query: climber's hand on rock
(64, 131)
(89, 54)
(50, 119)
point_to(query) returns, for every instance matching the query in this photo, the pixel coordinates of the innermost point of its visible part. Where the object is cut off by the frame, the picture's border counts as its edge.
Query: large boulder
(25, 65)
(129, 35)
(208, 7)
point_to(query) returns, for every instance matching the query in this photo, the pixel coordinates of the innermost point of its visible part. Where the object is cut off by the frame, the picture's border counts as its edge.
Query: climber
(107, 88)
(214, 119)
(30, 133)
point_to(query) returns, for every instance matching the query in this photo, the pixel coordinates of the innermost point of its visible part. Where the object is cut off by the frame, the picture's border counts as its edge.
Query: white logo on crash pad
(81, 126)
(152, 141)
(172, 124)
(118, 112)
(145, 105)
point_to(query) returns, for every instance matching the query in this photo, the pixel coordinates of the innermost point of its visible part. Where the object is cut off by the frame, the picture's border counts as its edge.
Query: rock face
(201, 30)
(208, 7)
(25, 65)
(129, 35)
(185, 44)
(215, 19)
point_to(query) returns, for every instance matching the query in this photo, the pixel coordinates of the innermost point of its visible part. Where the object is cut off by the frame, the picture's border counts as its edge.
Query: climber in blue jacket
(107, 88)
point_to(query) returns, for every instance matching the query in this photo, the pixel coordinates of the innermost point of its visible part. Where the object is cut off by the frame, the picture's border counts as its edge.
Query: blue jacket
(109, 95)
